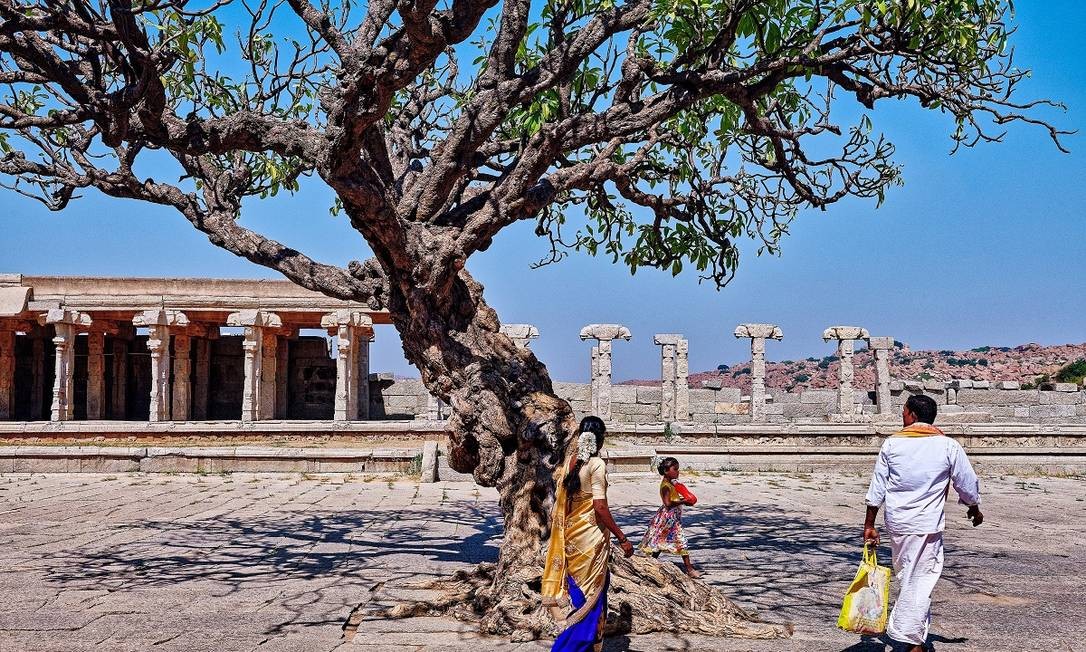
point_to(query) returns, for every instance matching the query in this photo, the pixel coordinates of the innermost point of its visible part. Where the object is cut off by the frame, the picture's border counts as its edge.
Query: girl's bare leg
(690, 567)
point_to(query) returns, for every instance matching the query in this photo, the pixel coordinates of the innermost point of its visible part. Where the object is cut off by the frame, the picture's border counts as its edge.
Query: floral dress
(665, 533)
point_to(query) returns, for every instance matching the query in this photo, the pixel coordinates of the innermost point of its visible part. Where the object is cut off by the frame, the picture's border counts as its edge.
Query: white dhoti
(918, 563)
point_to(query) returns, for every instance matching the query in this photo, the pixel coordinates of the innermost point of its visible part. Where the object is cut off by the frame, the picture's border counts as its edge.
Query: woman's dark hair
(595, 426)
(666, 464)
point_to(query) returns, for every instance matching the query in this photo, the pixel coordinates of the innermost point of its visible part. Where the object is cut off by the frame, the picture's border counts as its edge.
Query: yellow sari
(578, 548)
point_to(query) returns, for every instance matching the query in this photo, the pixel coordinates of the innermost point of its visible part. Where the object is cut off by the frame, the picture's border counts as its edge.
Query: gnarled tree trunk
(510, 431)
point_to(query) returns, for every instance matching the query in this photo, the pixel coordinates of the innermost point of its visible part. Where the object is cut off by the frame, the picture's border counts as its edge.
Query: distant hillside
(1028, 364)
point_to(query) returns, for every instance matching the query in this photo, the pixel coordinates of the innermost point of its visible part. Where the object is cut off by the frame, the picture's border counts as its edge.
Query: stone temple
(152, 350)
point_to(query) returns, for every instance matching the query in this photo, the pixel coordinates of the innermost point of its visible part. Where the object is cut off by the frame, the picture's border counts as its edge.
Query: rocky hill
(1028, 364)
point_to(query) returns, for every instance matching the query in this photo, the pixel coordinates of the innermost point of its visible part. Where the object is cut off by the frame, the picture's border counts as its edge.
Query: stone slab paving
(273, 562)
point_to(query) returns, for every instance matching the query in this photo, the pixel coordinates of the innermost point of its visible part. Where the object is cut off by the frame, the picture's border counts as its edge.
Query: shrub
(1074, 372)
(744, 370)
(925, 376)
(824, 365)
(982, 349)
(898, 344)
(1037, 382)
(801, 378)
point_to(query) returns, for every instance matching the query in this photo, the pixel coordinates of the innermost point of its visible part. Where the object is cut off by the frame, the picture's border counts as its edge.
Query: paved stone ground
(264, 562)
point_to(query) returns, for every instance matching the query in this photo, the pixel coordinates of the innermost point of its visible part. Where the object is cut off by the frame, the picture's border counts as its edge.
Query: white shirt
(912, 477)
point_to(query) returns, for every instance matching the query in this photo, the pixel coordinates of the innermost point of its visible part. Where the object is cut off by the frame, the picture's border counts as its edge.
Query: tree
(660, 133)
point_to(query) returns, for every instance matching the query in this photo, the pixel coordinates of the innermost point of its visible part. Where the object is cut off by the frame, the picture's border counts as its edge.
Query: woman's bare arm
(604, 518)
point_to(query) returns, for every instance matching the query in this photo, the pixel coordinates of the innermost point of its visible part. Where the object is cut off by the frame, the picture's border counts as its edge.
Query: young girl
(665, 533)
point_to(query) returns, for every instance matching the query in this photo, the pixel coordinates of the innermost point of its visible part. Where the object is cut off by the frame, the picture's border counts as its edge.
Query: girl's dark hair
(595, 426)
(666, 464)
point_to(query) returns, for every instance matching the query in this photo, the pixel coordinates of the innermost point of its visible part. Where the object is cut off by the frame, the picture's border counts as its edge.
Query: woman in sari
(576, 575)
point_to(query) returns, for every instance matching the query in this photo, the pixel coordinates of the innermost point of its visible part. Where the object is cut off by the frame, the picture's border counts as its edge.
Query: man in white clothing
(912, 477)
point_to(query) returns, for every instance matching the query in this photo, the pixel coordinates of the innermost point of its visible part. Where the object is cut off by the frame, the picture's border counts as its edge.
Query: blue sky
(984, 247)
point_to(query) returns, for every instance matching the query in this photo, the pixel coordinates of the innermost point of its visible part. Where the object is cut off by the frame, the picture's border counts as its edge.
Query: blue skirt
(582, 636)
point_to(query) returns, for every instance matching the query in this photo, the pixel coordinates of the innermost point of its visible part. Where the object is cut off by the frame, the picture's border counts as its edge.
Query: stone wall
(959, 402)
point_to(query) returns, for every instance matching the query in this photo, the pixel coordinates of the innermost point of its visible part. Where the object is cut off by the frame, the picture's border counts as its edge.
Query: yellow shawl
(918, 430)
(577, 547)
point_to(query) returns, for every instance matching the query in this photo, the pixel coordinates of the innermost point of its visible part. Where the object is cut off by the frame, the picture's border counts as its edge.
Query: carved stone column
(845, 336)
(669, 344)
(880, 348)
(257, 325)
(202, 377)
(604, 334)
(269, 373)
(7, 374)
(64, 324)
(96, 374)
(121, 341)
(282, 379)
(37, 374)
(758, 334)
(682, 380)
(352, 331)
(182, 372)
(160, 323)
(521, 334)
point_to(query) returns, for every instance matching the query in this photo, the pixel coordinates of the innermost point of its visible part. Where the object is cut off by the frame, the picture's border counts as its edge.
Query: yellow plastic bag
(867, 601)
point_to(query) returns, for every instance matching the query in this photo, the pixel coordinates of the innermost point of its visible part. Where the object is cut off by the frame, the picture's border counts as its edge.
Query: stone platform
(398, 446)
(249, 562)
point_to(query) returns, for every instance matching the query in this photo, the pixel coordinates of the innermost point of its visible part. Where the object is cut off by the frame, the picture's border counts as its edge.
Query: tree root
(645, 596)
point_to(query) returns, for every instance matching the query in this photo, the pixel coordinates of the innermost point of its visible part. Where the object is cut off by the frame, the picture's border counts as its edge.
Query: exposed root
(645, 596)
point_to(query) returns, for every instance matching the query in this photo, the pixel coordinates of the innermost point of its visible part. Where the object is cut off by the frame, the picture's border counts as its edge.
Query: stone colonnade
(180, 363)
(179, 349)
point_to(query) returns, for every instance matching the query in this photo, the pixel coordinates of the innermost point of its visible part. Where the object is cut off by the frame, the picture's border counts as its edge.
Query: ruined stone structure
(154, 350)
(171, 352)
(758, 334)
(845, 337)
(604, 334)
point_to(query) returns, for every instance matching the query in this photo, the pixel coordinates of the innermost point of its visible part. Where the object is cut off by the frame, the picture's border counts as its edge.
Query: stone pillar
(758, 334)
(159, 324)
(269, 374)
(96, 375)
(880, 349)
(202, 378)
(182, 372)
(669, 344)
(521, 334)
(65, 323)
(7, 374)
(119, 406)
(37, 375)
(604, 334)
(258, 324)
(282, 379)
(361, 371)
(352, 331)
(845, 336)
(682, 380)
